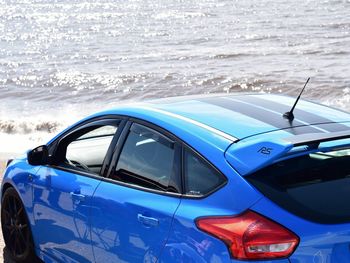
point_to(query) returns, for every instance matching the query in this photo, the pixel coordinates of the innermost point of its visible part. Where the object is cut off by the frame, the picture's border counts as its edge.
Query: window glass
(200, 177)
(147, 159)
(89, 149)
(314, 186)
(103, 131)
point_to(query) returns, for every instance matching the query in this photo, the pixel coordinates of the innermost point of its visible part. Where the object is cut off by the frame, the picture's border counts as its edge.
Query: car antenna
(289, 114)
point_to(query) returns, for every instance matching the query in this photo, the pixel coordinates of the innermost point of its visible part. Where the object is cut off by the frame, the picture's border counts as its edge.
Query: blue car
(219, 178)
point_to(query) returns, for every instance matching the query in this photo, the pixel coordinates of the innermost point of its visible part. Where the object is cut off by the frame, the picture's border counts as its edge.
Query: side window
(200, 177)
(86, 149)
(147, 159)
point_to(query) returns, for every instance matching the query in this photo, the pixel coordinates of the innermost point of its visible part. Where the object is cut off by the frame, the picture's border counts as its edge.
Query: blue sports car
(219, 178)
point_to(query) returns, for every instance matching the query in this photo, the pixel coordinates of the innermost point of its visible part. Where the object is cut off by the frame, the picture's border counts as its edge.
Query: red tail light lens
(251, 236)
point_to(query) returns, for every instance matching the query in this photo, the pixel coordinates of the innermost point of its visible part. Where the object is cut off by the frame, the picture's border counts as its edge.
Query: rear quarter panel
(186, 243)
(319, 243)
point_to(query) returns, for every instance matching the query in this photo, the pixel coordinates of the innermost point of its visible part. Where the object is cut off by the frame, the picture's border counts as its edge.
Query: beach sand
(2, 165)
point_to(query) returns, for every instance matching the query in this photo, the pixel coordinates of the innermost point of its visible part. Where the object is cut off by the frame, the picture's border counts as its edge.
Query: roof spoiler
(251, 155)
(314, 139)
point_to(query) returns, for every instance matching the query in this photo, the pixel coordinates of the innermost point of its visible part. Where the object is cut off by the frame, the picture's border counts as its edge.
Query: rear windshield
(314, 186)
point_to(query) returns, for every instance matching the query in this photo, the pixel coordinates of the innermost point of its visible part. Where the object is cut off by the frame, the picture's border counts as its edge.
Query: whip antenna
(289, 114)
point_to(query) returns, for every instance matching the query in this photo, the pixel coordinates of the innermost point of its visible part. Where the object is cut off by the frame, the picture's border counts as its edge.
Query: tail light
(251, 236)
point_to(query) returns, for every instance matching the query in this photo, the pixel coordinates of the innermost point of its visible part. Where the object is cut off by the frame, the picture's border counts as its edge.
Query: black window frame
(65, 138)
(176, 177)
(124, 123)
(180, 146)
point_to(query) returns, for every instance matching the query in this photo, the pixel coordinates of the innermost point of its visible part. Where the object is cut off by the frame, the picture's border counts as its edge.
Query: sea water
(63, 59)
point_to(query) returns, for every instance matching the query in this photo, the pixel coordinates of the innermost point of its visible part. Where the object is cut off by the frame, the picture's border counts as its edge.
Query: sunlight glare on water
(70, 58)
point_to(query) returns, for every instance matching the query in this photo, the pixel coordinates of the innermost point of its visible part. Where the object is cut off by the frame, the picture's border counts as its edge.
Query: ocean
(61, 60)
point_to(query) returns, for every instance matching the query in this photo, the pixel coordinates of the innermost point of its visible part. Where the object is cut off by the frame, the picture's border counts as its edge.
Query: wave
(230, 55)
(28, 127)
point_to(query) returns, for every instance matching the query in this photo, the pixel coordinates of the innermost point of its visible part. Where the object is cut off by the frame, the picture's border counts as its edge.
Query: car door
(62, 191)
(134, 206)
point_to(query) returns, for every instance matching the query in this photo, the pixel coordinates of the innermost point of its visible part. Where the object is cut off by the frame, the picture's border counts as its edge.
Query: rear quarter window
(314, 186)
(201, 178)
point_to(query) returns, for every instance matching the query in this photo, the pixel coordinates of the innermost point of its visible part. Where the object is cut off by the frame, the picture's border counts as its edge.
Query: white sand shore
(2, 166)
(3, 160)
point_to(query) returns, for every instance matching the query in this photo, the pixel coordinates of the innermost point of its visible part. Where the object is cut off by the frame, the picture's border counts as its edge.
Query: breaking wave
(27, 127)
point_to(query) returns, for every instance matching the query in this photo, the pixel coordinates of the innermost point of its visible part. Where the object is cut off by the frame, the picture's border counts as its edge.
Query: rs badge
(265, 150)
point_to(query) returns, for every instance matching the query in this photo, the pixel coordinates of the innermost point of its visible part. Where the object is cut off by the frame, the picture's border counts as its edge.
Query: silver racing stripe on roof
(194, 122)
(267, 117)
(301, 115)
(273, 112)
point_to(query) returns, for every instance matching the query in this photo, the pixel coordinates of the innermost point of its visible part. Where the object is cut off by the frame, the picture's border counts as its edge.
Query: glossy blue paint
(188, 244)
(212, 114)
(61, 209)
(130, 225)
(249, 156)
(261, 150)
(17, 175)
(80, 217)
(318, 242)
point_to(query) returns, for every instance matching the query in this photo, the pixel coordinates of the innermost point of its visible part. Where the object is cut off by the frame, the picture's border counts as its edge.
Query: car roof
(242, 116)
(238, 126)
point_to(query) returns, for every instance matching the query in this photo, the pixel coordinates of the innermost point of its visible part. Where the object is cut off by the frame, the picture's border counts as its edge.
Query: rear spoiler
(251, 155)
(317, 138)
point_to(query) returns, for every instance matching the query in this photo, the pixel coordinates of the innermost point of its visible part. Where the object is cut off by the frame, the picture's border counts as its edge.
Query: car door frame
(85, 124)
(115, 120)
(181, 147)
(176, 177)
(178, 145)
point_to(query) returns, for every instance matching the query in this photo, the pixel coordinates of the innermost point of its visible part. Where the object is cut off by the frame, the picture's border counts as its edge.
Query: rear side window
(147, 159)
(200, 177)
(314, 186)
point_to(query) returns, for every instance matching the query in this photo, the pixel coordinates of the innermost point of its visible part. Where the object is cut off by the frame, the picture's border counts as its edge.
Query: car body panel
(247, 115)
(261, 150)
(130, 225)
(61, 208)
(187, 243)
(17, 175)
(328, 243)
